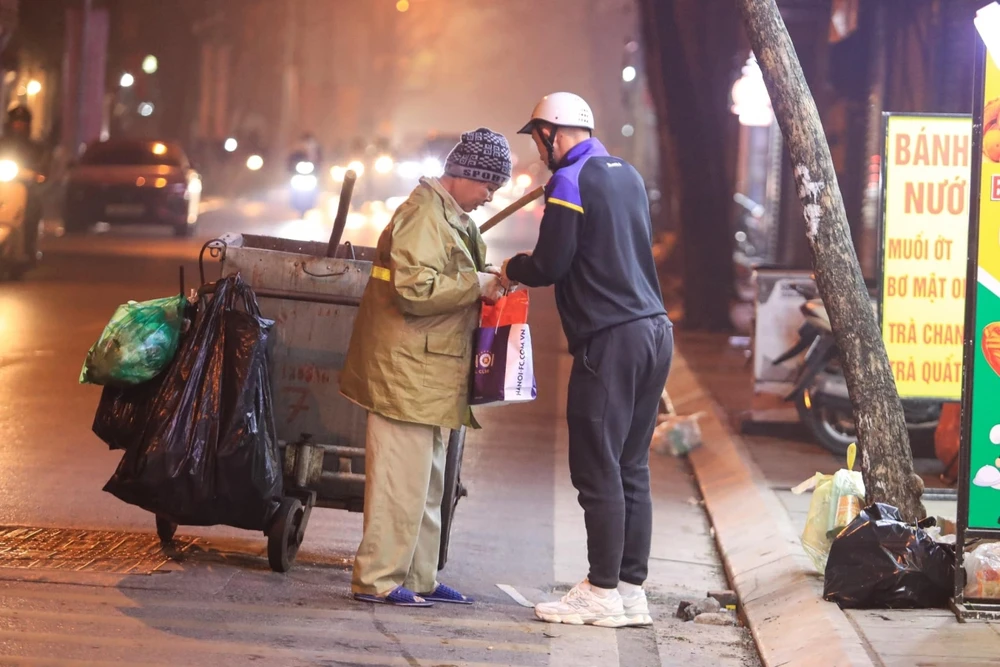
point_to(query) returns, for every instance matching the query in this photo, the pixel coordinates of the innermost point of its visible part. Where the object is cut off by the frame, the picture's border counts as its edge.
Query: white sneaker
(636, 607)
(581, 606)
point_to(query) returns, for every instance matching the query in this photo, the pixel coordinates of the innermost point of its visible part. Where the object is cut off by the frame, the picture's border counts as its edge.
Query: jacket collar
(583, 150)
(453, 213)
(458, 219)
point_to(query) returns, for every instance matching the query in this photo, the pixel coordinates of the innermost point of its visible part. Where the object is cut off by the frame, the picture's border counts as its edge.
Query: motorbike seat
(815, 311)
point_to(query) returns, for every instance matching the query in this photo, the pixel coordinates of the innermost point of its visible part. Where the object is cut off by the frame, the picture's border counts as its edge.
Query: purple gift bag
(504, 372)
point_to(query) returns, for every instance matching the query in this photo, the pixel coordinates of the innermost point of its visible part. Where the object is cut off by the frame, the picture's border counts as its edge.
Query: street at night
(219, 603)
(528, 333)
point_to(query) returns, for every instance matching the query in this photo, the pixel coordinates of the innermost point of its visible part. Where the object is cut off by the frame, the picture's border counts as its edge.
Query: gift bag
(504, 372)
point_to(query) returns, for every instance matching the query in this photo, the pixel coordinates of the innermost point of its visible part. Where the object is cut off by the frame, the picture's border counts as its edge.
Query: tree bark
(690, 90)
(886, 459)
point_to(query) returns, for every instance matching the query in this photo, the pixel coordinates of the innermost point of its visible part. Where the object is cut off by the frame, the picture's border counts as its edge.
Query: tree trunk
(690, 92)
(886, 459)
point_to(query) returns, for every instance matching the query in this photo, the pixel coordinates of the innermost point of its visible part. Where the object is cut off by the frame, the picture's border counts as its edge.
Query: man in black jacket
(595, 246)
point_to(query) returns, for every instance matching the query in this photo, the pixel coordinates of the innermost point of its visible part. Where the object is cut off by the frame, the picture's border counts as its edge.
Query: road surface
(75, 563)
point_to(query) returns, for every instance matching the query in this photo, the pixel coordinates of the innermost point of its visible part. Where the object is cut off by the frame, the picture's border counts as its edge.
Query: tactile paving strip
(86, 550)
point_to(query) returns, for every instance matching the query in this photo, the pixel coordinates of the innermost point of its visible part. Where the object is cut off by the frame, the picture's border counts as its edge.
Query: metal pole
(873, 142)
(772, 197)
(82, 76)
(287, 78)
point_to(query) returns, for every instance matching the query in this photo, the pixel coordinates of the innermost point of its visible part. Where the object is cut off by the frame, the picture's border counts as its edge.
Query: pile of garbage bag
(199, 439)
(879, 561)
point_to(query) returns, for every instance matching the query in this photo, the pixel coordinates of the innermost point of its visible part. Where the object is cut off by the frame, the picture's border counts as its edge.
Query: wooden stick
(344, 207)
(513, 208)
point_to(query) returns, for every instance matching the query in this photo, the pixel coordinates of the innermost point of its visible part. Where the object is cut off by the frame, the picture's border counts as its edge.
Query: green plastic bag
(138, 343)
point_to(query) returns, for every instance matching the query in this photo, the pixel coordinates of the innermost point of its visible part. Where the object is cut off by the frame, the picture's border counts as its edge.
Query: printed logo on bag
(484, 361)
(522, 354)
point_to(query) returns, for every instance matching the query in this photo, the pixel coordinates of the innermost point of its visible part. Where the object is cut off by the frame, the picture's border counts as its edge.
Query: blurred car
(132, 182)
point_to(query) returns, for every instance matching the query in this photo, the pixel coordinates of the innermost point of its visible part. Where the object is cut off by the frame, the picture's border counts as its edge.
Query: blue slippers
(448, 594)
(399, 596)
(404, 597)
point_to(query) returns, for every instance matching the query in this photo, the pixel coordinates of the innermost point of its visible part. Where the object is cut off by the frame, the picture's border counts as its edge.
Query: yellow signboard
(925, 241)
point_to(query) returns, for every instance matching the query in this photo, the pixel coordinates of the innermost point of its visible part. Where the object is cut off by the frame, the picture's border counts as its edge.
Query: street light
(384, 164)
(34, 87)
(150, 64)
(127, 80)
(402, 5)
(146, 109)
(987, 23)
(628, 74)
(8, 171)
(432, 167)
(750, 99)
(231, 145)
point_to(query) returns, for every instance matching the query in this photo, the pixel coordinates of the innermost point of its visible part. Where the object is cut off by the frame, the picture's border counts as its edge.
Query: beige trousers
(404, 481)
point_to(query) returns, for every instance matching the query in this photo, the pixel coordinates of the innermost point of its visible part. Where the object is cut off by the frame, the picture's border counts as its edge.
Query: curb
(781, 597)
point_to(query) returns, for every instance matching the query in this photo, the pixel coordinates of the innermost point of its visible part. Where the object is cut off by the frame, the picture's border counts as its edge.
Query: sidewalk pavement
(757, 522)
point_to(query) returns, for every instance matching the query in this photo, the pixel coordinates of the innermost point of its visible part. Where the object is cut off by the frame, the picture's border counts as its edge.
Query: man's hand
(510, 284)
(490, 287)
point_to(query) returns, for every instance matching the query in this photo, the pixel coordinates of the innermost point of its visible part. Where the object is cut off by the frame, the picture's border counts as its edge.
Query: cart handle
(328, 299)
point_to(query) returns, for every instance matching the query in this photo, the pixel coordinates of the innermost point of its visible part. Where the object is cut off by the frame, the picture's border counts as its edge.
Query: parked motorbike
(820, 391)
(305, 185)
(18, 252)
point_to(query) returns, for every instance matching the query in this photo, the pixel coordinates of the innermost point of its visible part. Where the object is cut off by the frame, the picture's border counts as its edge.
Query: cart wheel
(453, 490)
(283, 537)
(165, 528)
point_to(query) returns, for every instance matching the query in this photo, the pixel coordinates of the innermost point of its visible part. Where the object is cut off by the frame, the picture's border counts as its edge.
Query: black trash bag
(879, 562)
(208, 453)
(123, 411)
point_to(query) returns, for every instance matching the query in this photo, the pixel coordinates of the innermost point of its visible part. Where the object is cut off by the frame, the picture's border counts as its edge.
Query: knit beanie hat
(481, 155)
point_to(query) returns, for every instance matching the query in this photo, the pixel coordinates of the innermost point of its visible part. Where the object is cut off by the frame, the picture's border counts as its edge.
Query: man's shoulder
(422, 204)
(608, 171)
(599, 162)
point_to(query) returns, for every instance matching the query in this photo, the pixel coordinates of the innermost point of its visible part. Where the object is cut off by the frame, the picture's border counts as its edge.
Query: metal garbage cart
(313, 300)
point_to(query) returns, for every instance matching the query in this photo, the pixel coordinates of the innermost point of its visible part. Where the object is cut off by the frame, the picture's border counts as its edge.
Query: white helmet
(562, 110)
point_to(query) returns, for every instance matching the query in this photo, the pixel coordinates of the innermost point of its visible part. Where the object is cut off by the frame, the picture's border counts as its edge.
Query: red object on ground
(947, 437)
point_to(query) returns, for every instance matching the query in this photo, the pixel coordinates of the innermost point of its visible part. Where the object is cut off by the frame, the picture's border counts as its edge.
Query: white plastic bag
(982, 570)
(847, 497)
(814, 537)
(677, 435)
(836, 501)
